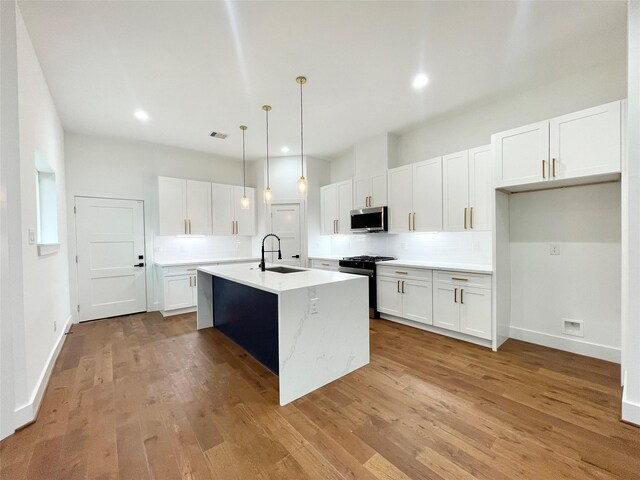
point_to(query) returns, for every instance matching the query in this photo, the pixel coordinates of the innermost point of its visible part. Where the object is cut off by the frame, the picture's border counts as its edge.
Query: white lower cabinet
(405, 293)
(456, 301)
(179, 292)
(462, 303)
(323, 264)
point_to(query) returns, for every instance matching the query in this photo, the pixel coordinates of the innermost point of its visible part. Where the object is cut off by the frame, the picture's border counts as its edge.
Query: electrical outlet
(554, 249)
(32, 236)
(237, 245)
(314, 306)
(55, 326)
(572, 327)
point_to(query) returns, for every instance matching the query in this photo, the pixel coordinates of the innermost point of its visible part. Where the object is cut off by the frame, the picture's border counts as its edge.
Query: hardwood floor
(143, 397)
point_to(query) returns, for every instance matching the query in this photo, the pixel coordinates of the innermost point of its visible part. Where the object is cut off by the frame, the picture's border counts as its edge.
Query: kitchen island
(309, 327)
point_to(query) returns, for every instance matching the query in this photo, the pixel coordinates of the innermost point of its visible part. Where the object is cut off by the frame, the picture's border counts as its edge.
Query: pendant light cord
(268, 181)
(244, 169)
(301, 133)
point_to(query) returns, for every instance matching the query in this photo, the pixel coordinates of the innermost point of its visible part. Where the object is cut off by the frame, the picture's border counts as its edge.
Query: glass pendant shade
(244, 202)
(267, 195)
(302, 186)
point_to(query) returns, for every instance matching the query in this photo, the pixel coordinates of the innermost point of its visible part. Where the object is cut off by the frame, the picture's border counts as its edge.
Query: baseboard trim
(630, 410)
(28, 412)
(440, 331)
(178, 311)
(581, 347)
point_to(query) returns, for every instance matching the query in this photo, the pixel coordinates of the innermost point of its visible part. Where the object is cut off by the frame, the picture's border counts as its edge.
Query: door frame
(302, 219)
(74, 290)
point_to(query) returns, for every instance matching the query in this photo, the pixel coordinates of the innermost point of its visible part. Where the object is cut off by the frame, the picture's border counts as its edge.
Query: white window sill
(48, 248)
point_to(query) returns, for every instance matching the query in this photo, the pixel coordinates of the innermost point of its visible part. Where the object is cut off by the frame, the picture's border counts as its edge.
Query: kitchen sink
(285, 270)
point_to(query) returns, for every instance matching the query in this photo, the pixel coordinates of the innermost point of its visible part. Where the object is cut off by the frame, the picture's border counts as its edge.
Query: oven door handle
(356, 271)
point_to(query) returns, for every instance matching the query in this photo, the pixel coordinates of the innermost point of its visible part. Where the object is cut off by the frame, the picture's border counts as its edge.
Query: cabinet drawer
(478, 280)
(183, 269)
(403, 272)
(324, 264)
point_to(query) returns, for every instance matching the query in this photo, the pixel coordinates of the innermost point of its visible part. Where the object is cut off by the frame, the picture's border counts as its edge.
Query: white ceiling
(202, 66)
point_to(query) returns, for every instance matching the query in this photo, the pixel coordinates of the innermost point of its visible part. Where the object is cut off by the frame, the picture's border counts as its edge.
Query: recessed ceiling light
(284, 149)
(420, 80)
(141, 115)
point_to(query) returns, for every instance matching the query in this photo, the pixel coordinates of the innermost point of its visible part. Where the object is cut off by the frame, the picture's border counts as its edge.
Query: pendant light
(267, 190)
(302, 182)
(244, 201)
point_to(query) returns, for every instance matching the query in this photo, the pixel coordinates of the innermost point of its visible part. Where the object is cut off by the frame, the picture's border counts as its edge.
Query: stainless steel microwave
(369, 220)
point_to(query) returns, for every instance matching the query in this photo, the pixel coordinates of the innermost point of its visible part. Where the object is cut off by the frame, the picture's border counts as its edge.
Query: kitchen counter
(326, 257)
(454, 267)
(204, 261)
(310, 327)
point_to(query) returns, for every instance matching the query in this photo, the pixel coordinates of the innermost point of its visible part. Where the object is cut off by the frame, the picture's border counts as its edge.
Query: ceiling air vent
(218, 135)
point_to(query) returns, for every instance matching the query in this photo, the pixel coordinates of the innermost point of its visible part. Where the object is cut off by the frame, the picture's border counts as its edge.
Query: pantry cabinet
(570, 147)
(184, 206)
(415, 197)
(370, 190)
(335, 207)
(467, 190)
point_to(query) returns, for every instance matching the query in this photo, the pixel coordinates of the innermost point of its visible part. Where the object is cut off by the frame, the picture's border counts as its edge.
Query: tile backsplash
(196, 247)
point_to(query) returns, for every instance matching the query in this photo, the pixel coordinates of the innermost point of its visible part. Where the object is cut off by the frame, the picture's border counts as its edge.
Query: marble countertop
(455, 267)
(249, 274)
(204, 261)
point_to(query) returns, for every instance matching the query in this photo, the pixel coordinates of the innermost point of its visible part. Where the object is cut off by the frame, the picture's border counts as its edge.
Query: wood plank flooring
(142, 397)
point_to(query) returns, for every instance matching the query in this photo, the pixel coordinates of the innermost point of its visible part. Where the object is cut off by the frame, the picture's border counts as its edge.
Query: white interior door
(110, 246)
(285, 223)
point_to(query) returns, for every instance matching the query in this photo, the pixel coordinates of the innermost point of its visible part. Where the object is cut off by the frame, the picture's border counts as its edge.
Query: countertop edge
(180, 263)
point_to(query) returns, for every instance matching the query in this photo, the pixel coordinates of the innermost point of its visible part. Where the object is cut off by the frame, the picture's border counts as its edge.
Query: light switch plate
(554, 249)
(32, 236)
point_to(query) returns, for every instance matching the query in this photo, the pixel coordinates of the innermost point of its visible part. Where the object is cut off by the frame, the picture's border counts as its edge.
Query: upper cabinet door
(455, 191)
(522, 155)
(329, 208)
(400, 199)
(199, 217)
(245, 218)
(586, 142)
(172, 206)
(223, 214)
(427, 195)
(361, 192)
(345, 205)
(480, 188)
(378, 190)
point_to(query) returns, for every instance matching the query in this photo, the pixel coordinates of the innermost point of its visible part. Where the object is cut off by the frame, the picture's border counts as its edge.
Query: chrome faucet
(262, 264)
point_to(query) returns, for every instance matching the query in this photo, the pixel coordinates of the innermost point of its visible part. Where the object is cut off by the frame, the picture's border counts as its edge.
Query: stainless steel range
(365, 265)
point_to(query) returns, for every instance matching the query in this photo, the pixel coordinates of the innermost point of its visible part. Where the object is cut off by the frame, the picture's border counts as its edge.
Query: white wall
(473, 126)
(39, 310)
(343, 166)
(631, 218)
(103, 167)
(582, 283)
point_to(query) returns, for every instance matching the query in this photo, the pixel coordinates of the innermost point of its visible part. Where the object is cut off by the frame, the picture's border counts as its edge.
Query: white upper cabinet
(586, 142)
(222, 204)
(480, 188)
(184, 206)
(245, 218)
(335, 207)
(172, 199)
(522, 155)
(228, 217)
(199, 207)
(571, 147)
(467, 190)
(455, 190)
(400, 199)
(415, 197)
(427, 196)
(370, 190)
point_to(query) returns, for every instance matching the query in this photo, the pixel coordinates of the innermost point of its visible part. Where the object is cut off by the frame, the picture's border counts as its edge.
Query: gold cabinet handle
(403, 286)
(455, 296)
(544, 173)
(465, 218)
(398, 286)
(470, 217)
(462, 296)
(460, 279)
(185, 226)
(553, 167)
(401, 273)
(414, 221)
(409, 221)
(237, 227)
(189, 226)
(195, 281)
(190, 281)
(338, 226)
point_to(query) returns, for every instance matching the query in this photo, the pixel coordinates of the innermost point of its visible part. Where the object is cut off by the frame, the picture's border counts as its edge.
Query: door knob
(295, 256)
